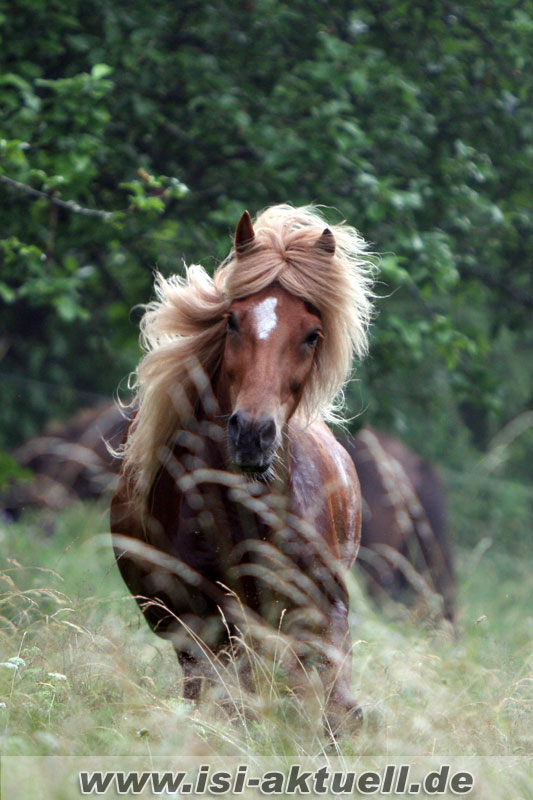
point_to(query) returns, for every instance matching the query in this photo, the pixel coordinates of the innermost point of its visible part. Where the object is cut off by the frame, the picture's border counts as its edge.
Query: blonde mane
(183, 330)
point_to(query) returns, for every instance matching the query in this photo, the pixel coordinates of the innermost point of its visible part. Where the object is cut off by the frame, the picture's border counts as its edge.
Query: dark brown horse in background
(405, 544)
(69, 462)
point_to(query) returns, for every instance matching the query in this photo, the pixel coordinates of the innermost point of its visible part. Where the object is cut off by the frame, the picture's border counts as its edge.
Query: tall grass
(81, 673)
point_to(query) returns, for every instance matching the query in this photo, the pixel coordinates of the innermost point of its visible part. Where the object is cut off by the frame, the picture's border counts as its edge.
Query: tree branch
(69, 205)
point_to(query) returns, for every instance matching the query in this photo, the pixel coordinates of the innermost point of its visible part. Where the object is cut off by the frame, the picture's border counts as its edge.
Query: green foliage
(10, 470)
(413, 121)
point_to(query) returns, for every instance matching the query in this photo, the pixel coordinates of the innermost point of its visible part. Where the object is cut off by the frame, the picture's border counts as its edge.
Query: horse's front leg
(342, 711)
(198, 654)
(193, 674)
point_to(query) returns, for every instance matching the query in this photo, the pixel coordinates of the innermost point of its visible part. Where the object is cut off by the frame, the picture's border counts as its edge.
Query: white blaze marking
(266, 318)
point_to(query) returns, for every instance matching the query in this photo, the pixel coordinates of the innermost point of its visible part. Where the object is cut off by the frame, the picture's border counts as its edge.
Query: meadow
(81, 673)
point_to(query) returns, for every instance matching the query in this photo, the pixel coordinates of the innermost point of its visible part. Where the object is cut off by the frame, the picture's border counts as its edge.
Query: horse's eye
(231, 322)
(312, 338)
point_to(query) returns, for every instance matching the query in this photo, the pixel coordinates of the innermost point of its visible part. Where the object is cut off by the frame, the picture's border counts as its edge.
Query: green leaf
(99, 71)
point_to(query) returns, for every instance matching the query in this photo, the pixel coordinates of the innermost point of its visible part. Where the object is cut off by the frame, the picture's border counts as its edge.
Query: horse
(68, 462)
(235, 503)
(405, 542)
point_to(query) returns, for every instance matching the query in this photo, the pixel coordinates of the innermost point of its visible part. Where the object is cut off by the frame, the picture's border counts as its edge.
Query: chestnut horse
(235, 503)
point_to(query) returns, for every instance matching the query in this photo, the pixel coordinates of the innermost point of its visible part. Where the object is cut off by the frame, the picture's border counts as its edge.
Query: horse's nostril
(250, 436)
(234, 427)
(267, 433)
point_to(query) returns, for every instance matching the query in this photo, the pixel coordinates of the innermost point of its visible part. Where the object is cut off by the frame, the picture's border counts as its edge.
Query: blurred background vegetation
(132, 136)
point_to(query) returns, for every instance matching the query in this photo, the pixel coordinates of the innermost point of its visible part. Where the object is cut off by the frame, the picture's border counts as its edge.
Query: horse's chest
(211, 533)
(231, 545)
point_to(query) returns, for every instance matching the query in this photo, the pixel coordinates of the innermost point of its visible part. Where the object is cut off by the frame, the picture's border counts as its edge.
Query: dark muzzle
(251, 441)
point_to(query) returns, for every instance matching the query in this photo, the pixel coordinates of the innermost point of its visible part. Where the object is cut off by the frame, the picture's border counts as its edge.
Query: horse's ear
(244, 234)
(326, 242)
